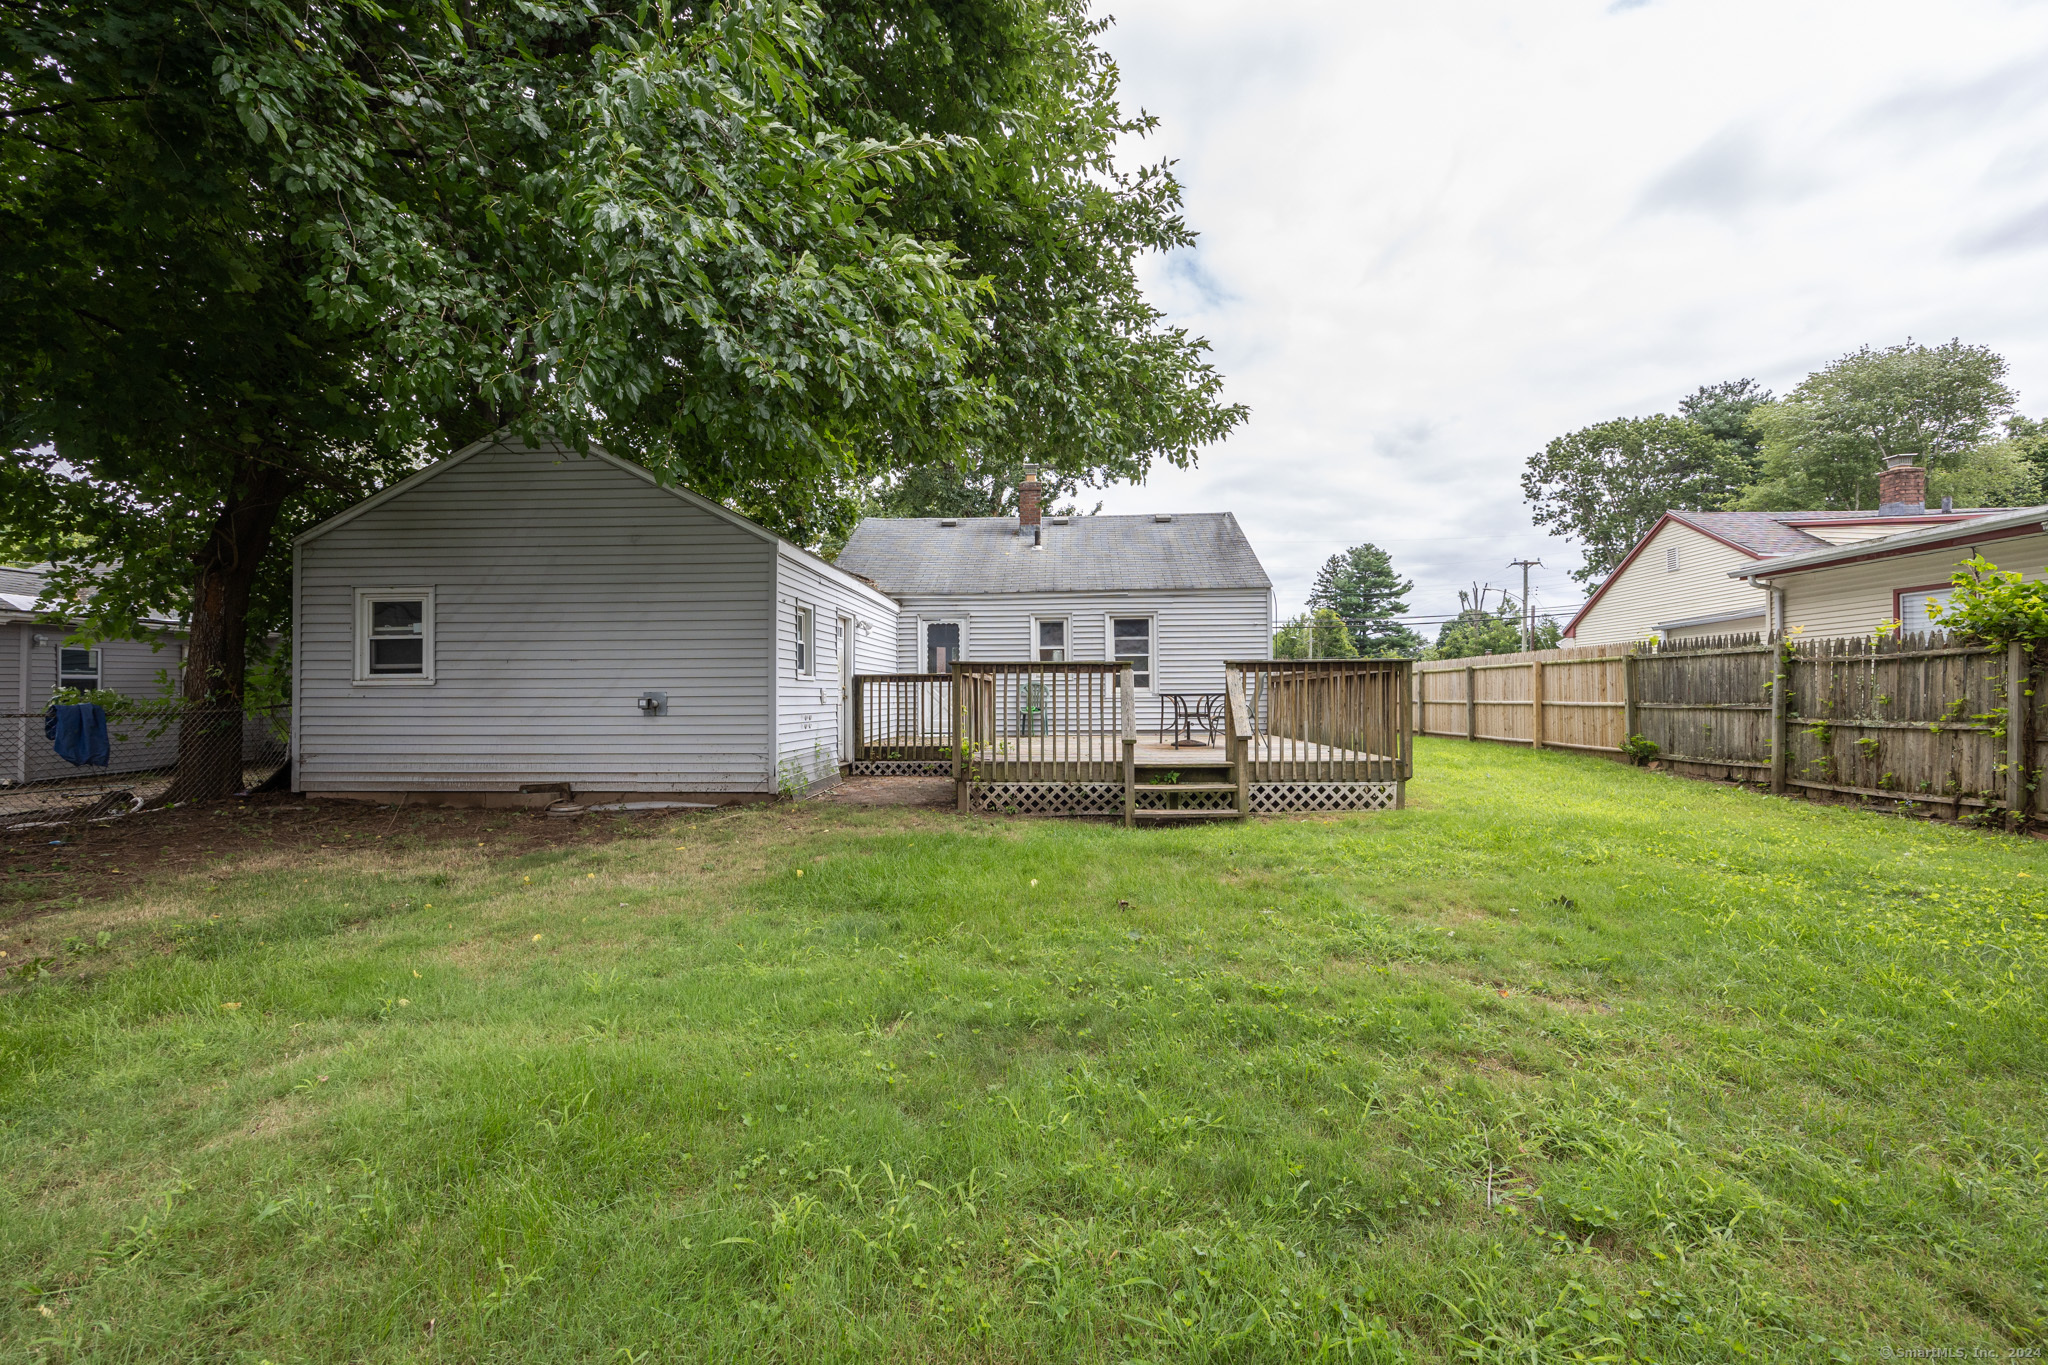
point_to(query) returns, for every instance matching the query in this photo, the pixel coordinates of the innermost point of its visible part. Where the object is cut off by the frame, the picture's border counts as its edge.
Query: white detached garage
(527, 616)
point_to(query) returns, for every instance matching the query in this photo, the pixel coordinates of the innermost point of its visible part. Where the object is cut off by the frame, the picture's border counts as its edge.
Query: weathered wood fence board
(1905, 718)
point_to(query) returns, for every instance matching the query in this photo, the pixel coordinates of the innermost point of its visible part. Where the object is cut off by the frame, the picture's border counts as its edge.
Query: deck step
(1143, 813)
(1184, 786)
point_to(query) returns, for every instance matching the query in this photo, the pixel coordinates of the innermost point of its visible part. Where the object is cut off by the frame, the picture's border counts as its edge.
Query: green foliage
(1603, 487)
(1476, 631)
(1565, 1060)
(1722, 411)
(1640, 750)
(1321, 636)
(1999, 606)
(1361, 587)
(1825, 442)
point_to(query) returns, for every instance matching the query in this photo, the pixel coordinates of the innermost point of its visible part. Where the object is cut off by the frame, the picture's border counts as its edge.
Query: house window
(1670, 559)
(395, 635)
(1913, 615)
(945, 643)
(806, 643)
(1049, 638)
(1131, 642)
(78, 668)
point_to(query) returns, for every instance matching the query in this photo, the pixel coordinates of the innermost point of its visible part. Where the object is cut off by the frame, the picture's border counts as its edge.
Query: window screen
(1052, 642)
(941, 645)
(1131, 640)
(79, 668)
(398, 636)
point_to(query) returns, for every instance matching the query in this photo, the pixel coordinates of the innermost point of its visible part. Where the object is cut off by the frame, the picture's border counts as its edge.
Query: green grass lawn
(1566, 1061)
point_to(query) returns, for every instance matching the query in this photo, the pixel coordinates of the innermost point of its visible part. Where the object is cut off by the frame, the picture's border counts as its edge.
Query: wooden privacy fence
(1920, 719)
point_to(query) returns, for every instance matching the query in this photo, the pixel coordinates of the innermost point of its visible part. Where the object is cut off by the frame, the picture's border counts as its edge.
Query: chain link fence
(149, 749)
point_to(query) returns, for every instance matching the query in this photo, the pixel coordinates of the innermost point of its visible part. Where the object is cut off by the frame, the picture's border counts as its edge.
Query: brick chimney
(1901, 488)
(1027, 497)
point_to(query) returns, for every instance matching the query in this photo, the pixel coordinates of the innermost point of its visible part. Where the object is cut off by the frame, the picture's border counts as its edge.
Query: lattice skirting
(1164, 797)
(1278, 798)
(900, 767)
(1047, 798)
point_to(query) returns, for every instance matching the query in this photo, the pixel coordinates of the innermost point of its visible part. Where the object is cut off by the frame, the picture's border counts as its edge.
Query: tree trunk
(217, 636)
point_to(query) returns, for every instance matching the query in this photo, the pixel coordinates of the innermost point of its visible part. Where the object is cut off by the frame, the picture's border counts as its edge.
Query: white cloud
(1435, 236)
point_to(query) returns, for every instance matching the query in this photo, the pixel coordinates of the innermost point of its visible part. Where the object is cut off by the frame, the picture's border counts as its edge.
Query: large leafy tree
(1362, 589)
(1095, 386)
(1475, 630)
(1605, 486)
(1317, 634)
(353, 235)
(1826, 441)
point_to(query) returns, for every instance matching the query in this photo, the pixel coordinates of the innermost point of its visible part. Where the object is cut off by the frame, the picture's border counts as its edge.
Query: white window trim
(806, 622)
(924, 649)
(364, 678)
(1109, 621)
(99, 676)
(1032, 646)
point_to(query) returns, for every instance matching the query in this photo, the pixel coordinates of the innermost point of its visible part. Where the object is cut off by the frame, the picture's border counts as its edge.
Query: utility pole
(1528, 618)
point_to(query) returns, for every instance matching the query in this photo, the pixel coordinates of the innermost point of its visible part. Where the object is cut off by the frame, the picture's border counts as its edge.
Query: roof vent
(1163, 517)
(1057, 521)
(949, 521)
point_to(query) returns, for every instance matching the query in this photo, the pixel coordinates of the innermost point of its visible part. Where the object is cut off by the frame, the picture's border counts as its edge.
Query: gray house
(523, 617)
(37, 658)
(517, 619)
(1175, 595)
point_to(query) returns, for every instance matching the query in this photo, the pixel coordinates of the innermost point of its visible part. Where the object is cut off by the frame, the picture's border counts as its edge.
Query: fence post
(1471, 705)
(1781, 678)
(2018, 706)
(1535, 703)
(1629, 725)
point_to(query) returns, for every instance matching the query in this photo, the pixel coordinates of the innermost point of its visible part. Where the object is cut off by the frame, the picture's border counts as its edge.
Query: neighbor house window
(1670, 559)
(1131, 642)
(1913, 603)
(79, 668)
(806, 642)
(1049, 638)
(395, 635)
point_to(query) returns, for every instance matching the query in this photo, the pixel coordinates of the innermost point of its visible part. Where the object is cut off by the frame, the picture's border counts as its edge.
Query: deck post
(1535, 703)
(854, 749)
(2018, 706)
(1127, 694)
(1471, 704)
(1781, 677)
(960, 740)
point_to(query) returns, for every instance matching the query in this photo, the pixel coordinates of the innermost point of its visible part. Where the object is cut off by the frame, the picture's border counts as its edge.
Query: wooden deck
(1150, 753)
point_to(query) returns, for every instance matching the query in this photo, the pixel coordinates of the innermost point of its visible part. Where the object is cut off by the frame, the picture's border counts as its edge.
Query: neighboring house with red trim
(1704, 573)
(1852, 589)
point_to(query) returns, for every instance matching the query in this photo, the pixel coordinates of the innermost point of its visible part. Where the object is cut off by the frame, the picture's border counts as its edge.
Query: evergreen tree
(1361, 588)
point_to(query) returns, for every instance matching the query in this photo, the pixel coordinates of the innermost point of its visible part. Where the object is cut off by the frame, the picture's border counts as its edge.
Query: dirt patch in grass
(76, 866)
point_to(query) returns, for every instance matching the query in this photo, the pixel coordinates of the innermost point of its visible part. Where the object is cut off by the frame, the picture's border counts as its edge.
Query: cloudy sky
(1436, 235)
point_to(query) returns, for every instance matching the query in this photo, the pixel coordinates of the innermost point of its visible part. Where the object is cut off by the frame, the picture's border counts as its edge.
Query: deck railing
(1043, 722)
(1323, 720)
(903, 722)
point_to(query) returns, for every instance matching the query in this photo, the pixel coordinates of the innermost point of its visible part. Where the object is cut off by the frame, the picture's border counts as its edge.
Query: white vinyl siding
(1855, 599)
(564, 587)
(1648, 593)
(1194, 632)
(809, 707)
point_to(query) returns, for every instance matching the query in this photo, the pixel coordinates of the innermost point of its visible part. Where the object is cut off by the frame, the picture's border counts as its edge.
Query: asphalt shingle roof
(1769, 533)
(917, 556)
